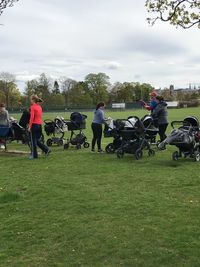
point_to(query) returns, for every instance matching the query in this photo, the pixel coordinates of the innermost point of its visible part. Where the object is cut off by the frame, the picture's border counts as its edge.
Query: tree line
(71, 93)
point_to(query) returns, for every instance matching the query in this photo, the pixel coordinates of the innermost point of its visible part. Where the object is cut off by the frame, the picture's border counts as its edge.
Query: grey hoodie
(160, 113)
(99, 116)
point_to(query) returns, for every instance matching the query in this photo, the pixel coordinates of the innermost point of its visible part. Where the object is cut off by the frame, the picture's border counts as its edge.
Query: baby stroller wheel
(151, 152)
(196, 156)
(86, 145)
(110, 148)
(78, 146)
(175, 155)
(60, 142)
(49, 142)
(120, 153)
(66, 146)
(138, 154)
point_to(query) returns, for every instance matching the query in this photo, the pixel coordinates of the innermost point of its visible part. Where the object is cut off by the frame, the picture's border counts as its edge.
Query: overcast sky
(74, 38)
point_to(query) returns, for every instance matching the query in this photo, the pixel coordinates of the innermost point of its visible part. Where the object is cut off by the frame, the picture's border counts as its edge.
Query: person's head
(35, 99)
(100, 105)
(159, 98)
(153, 94)
(2, 107)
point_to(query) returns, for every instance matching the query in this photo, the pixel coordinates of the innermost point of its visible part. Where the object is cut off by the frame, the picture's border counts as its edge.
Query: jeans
(97, 135)
(162, 129)
(36, 133)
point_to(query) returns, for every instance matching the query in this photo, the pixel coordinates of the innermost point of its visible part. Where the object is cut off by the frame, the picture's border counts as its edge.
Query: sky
(75, 38)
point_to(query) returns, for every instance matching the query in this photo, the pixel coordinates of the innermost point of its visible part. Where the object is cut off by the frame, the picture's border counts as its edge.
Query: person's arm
(101, 116)
(31, 117)
(7, 118)
(148, 107)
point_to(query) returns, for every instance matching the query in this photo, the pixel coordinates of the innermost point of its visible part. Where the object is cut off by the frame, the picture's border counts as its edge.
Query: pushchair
(5, 135)
(56, 129)
(77, 122)
(111, 130)
(150, 130)
(14, 132)
(186, 138)
(132, 133)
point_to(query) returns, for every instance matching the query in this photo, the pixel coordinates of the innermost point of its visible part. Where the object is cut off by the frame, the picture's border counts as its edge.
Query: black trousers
(36, 133)
(97, 135)
(162, 129)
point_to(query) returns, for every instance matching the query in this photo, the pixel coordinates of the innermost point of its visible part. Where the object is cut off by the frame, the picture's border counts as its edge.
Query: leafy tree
(115, 92)
(44, 87)
(6, 3)
(183, 13)
(7, 83)
(56, 100)
(98, 86)
(30, 89)
(67, 84)
(145, 91)
(79, 95)
(15, 97)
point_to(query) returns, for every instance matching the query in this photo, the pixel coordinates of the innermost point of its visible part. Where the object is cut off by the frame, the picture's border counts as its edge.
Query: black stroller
(56, 129)
(16, 131)
(111, 130)
(186, 138)
(77, 122)
(150, 130)
(133, 133)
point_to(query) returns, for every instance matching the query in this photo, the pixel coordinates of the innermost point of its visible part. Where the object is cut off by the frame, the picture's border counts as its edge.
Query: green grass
(75, 208)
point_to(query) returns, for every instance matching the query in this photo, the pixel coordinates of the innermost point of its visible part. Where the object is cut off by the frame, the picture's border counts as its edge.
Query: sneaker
(2, 147)
(47, 153)
(92, 150)
(100, 151)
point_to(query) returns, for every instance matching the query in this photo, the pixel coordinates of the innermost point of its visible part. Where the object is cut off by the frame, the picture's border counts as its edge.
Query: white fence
(118, 105)
(172, 104)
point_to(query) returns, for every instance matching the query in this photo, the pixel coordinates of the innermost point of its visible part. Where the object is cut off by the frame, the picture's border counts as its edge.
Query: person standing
(4, 124)
(160, 114)
(96, 126)
(153, 103)
(35, 127)
(4, 116)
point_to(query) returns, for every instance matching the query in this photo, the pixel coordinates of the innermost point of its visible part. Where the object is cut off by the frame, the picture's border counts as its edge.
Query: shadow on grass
(8, 197)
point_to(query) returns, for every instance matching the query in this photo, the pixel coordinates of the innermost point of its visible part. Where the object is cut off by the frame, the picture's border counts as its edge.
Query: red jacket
(36, 114)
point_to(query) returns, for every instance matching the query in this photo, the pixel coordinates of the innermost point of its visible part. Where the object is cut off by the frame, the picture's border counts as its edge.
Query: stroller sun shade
(191, 121)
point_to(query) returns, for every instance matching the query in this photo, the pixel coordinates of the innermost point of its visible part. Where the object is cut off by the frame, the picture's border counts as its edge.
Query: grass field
(76, 208)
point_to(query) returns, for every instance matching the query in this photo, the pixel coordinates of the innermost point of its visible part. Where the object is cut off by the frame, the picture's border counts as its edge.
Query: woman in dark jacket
(160, 115)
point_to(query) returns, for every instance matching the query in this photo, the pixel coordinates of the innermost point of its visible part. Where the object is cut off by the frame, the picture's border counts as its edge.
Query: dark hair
(36, 99)
(159, 98)
(101, 104)
(2, 105)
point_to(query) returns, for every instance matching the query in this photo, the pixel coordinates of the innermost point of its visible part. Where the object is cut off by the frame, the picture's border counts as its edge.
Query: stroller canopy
(147, 121)
(77, 117)
(191, 121)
